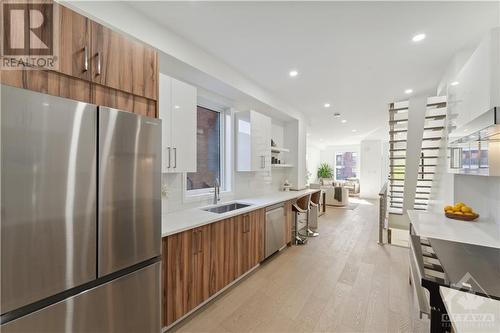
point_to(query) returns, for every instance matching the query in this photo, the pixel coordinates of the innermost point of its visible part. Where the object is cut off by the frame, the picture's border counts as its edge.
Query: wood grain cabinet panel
(187, 272)
(74, 43)
(201, 267)
(51, 83)
(256, 237)
(124, 64)
(179, 260)
(200, 262)
(250, 240)
(222, 254)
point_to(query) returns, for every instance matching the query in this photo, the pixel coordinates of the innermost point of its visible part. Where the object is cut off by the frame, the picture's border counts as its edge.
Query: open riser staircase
(435, 122)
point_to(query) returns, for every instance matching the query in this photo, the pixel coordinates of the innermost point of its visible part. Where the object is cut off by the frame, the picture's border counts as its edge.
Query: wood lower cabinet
(250, 240)
(200, 262)
(223, 258)
(186, 272)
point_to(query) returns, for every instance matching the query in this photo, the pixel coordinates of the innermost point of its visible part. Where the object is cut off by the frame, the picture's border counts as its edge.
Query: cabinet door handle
(200, 238)
(246, 224)
(194, 244)
(175, 157)
(98, 63)
(168, 149)
(85, 58)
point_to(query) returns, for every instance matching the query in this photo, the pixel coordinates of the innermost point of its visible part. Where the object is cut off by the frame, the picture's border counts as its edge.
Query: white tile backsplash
(246, 184)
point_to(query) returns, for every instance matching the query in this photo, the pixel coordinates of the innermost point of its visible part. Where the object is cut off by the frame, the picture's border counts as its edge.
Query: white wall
(313, 160)
(416, 121)
(372, 165)
(328, 154)
(481, 193)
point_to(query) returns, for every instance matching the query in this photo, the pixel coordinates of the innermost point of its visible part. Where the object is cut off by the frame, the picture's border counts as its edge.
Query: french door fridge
(80, 216)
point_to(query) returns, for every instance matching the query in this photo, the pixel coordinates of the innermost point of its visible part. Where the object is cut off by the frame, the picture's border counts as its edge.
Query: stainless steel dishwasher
(275, 229)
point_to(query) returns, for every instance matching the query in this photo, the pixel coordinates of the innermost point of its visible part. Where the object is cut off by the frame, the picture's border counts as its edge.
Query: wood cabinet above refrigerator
(107, 67)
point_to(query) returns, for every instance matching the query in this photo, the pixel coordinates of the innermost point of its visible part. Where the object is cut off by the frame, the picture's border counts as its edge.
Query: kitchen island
(482, 231)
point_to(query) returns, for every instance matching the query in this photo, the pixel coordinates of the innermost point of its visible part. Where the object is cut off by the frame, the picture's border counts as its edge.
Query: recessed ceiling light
(343, 121)
(336, 114)
(418, 37)
(408, 91)
(293, 73)
(176, 106)
(326, 105)
(354, 131)
(455, 83)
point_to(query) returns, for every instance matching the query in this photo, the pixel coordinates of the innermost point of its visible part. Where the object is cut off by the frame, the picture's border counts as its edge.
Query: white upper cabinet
(178, 114)
(253, 141)
(476, 87)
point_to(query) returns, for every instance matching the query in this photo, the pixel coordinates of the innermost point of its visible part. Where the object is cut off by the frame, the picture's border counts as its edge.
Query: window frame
(342, 152)
(226, 180)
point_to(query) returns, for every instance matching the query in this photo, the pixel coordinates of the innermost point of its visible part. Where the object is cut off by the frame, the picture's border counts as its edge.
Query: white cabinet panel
(178, 114)
(478, 88)
(253, 141)
(184, 125)
(165, 112)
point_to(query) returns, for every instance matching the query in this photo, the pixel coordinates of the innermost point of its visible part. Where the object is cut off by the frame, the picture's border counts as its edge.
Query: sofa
(331, 199)
(328, 187)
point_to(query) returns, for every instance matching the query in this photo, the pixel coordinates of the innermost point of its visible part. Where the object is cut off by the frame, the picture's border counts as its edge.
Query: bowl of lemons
(460, 211)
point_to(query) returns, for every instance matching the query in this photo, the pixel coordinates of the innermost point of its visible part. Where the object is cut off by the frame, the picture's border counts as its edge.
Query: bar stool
(313, 214)
(301, 206)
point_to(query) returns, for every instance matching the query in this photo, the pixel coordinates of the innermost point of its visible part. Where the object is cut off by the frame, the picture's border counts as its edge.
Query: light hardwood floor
(341, 281)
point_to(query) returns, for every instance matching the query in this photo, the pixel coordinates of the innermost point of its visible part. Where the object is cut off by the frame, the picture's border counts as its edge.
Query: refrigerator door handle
(175, 157)
(169, 164)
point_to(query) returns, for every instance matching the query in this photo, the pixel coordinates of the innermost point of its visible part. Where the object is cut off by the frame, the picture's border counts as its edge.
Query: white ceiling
(357, 56)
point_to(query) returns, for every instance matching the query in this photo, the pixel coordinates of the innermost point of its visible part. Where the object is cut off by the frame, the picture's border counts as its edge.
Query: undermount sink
(226, 208)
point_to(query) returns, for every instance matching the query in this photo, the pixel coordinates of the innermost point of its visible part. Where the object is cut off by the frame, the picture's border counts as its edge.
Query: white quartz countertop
(470, 313)
(482, 231)
(175, 222)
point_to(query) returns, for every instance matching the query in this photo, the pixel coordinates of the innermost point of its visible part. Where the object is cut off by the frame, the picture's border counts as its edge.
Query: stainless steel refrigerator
(80, 216)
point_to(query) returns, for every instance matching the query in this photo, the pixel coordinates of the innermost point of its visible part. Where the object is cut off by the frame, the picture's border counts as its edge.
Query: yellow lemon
(466, 209)
(449, 211)
(469, 214)
(447, 208)
(458, 213)
(460, 203)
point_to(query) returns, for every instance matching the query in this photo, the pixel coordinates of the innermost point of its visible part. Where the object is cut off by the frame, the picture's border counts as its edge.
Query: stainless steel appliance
(275, 229)
(80, 209)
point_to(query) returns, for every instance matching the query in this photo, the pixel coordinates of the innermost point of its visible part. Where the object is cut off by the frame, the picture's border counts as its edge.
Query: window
(346, 165)
(213, 130)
